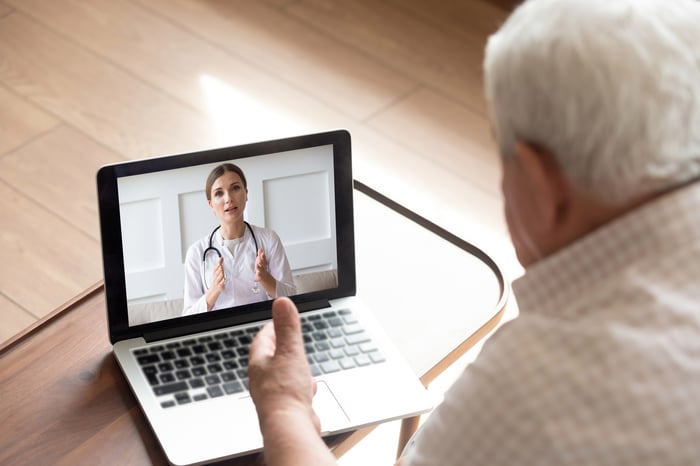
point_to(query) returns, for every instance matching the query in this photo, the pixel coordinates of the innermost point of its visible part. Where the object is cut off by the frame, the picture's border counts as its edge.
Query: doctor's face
(228, 198)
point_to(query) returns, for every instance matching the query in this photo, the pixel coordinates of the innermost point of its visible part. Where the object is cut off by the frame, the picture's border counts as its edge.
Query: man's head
(596, 108)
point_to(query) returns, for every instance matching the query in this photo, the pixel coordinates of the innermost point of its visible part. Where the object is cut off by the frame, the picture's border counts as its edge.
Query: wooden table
(64, 400)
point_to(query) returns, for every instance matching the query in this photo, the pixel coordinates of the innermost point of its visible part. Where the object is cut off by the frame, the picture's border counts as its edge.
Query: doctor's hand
(260, 265)
(263, 276)
(218, 282)
(282, 389)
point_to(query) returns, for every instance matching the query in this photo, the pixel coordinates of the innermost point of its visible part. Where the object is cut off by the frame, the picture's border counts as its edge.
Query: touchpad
(328, 410)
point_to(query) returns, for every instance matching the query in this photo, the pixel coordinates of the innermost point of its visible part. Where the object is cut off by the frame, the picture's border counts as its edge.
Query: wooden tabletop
(64, 399)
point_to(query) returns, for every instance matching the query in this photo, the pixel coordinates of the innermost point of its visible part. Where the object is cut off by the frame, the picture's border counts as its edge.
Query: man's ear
(548, 183)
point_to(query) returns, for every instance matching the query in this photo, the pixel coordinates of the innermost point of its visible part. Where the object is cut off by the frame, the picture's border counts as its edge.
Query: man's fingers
(287, 326)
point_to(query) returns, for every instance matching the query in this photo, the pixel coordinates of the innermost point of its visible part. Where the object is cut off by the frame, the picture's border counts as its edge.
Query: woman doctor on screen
(237, 263)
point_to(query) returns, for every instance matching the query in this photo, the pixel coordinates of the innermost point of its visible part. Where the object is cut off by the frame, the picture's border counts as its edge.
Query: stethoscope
(211, 247)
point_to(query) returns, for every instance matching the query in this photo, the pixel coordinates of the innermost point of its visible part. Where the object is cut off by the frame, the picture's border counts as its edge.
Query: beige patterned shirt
(602, 366)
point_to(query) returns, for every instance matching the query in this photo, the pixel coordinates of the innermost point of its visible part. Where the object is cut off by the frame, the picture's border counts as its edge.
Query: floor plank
(20, 121)
(239, 102)
(93, 95)
(419, 50)
(14, 319)
(240, 44)
(66, 187)
(468, 19)
(326, 69)
(445, 132)
(43, 265)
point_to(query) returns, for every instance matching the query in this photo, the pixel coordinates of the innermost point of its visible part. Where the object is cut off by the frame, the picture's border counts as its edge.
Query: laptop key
(337, 343)
(228, 354)
(362, 360)
(197, 360)
(347, 363)
(184, 352)
(196, 383)
(322, 346)
(353, 329)
(167, 404)
(233, 387)
(168, 389)
(148, 359)
(183, 398)
(182, 364)
(212, 380)
(215, 391)
(368, 347)
(183, 374)
(330, 366)
(200, 397)
(166, 367)
(245, 340)
(357, 338)
(335, 322)
(230, 365)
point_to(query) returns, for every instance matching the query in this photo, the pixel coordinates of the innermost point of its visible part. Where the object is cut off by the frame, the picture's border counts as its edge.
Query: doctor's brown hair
(219, 171)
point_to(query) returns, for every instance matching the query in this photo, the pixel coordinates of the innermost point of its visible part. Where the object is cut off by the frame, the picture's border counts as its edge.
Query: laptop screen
(171, 259)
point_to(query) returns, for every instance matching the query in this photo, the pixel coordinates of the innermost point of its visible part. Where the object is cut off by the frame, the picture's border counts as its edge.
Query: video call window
(290, 209)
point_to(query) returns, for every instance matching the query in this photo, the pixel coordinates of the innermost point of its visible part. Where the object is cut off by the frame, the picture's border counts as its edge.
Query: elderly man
(595, 105)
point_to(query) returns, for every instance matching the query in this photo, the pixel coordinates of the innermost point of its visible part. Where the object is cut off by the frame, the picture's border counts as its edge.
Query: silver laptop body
(188, 371)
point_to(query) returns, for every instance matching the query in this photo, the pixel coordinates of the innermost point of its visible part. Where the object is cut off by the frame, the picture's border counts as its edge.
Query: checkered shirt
(601, 367)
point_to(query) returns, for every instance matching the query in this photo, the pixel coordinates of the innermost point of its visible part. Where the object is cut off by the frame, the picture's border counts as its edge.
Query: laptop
(188, 369)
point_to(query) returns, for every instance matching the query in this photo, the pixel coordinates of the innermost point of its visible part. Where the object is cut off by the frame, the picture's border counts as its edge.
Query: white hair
(610, 87)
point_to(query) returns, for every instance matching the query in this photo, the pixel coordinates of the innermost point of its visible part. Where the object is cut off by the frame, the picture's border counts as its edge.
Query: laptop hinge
(180, 331)
(312, 305)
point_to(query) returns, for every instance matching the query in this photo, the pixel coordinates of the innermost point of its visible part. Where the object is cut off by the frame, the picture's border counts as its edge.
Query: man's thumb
(285, 317)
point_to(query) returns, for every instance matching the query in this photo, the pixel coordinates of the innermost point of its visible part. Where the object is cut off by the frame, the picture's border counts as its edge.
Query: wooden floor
(85, 83)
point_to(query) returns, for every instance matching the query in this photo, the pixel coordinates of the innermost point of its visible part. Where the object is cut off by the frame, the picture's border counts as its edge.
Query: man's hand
(282, 388)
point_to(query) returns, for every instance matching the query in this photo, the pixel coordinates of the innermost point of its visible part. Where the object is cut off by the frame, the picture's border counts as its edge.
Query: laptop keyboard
(199, 368)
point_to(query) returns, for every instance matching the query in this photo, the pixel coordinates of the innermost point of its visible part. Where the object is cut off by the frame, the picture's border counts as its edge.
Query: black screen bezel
(112, 247)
